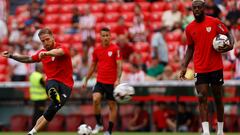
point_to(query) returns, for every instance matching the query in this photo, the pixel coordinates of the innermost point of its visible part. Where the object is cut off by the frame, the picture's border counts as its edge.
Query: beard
(199, 17)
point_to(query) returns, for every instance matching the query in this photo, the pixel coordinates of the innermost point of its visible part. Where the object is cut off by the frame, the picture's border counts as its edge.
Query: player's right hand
(6, 54)
(182, 74)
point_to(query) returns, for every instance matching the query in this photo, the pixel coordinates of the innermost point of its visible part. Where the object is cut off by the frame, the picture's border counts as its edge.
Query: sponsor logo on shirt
(208, 29)
(110, 53)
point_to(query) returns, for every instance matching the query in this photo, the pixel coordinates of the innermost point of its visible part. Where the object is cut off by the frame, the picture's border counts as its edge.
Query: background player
(207, 62)
(107, 60)
(57, 65)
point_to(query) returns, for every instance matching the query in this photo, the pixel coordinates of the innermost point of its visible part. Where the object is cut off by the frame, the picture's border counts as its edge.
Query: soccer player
(108, 61)
(208, 63)
(57, 65)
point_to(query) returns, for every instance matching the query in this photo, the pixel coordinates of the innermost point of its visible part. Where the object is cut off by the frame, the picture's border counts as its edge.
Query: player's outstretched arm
(187, 59)
(52, 53)
(18, 57)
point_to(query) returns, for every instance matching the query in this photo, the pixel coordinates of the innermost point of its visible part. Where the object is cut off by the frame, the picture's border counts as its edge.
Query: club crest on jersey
(110, 53)
(53, 58)
(208, 29)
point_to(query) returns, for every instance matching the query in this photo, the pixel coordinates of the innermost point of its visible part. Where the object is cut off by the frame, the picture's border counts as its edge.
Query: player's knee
(96, 101)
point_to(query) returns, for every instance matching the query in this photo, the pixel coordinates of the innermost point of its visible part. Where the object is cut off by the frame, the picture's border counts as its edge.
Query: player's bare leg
(203, 106)
(41, 122)
(218, 94)
(97, 111)
(112, 116)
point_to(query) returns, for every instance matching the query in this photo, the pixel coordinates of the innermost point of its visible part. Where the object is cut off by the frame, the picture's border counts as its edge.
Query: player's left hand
(43, 54)
(226, 47)
(182, 74)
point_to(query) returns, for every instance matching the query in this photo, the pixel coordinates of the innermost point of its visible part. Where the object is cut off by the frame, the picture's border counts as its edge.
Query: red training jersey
(201, 35)
(57, 68)
(106, 58)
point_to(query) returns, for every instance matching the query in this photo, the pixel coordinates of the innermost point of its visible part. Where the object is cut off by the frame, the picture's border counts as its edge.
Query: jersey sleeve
(35, 57)
(189, 37)
(65, 49)
(118, 54)
(221, 28)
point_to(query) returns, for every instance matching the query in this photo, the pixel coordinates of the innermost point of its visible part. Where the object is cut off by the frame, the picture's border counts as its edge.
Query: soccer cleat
(53, 94)
(97, 129)
(107, 133)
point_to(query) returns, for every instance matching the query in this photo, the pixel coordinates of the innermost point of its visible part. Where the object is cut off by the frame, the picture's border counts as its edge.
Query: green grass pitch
(115, 133)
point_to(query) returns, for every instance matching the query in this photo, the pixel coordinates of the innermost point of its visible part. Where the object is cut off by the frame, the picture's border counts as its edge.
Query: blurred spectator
(125, 48)
(76, 62)
(135, 74)
(137, 13)
(140, 120)
(155, 68)
(212, 9)
(84, 68)
(4, 30)
(168, 74)
(138, 32)
(19, 70)
(87, 25)
(75, 22)
(37, 92)
(36, 11)
(122, 28)
(188, 17)
(159, 46)
(184, 118)
(233, 16)
(172, 16)
(160, 117)
(3, 10)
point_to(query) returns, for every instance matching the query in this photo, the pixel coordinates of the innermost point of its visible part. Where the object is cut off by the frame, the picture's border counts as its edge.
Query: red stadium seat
(227, 65)
(146, 15)
(80, 1)
(127, 7)
(52, 2)
(145, 6)
(112, 27)
(111, 17)
(51, 19)
(99, 26)
(156, 17)
(19, 123)
(65, 19)
(228, 75)
(125, 121)
(81, 7)
(97, 7)
(63, 38)
(142, 47)
(128, 16)
(73, 121)
(155, 25)
(66, 9)
(99, 17)
(76, 38)
(66, 2)
(111, 7)
(51, 9)
(63, 27)
(21, 9)
(54, 28)
(57, 124)
(158, 6)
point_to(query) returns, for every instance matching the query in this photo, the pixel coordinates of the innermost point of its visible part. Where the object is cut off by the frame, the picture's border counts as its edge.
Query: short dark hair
(45, 31)
(105, 29)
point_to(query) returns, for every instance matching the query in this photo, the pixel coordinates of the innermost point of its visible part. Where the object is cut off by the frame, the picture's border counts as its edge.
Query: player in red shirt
(108, 61)
(57, 65)
(207, 62)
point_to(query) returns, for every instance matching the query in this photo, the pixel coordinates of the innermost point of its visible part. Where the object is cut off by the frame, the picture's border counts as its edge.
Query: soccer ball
(123, 92)
(84, 129)
(220, 40)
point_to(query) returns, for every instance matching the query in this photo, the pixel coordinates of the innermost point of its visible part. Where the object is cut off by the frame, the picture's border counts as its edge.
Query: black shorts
(64, 93)
(105, 89)
(214, 77)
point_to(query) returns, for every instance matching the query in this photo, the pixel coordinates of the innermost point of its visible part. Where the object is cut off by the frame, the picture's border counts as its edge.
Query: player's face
(48, 41)
(105, 37)
(198, 9)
